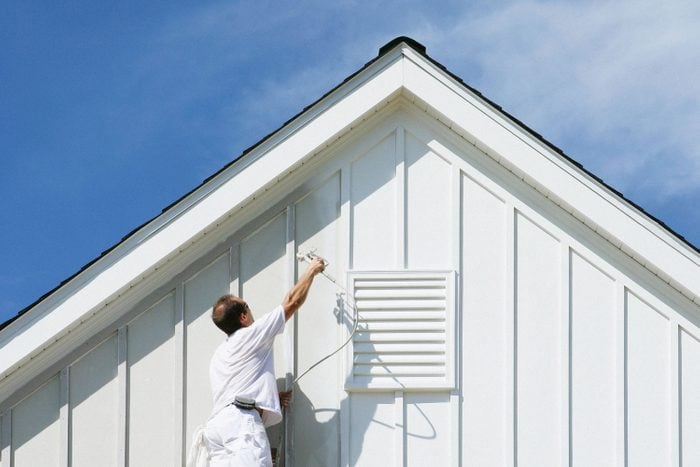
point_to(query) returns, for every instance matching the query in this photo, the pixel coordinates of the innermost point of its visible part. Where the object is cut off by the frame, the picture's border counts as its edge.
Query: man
(243, 378)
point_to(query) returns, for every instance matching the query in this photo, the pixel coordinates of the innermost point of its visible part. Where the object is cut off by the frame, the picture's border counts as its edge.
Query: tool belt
(244, 403)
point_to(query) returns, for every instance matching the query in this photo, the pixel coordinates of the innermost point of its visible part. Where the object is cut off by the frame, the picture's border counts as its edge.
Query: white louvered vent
(405, 335)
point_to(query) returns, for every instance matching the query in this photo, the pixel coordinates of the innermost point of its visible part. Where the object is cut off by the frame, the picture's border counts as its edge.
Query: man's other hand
(285, 398)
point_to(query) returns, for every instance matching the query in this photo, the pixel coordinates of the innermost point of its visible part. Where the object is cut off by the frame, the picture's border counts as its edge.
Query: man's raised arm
(297, 295)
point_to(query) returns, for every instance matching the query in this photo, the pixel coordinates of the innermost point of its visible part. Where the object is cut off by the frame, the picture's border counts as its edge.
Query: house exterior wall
(565, 350)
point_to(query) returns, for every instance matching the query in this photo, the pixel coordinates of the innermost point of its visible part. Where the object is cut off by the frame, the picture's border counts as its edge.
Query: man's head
(230, 313)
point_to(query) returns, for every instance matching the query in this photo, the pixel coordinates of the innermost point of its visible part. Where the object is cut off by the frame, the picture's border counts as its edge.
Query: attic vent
(405, 335)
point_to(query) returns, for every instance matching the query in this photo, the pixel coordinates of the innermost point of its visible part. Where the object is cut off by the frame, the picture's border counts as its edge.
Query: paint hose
(308, 257)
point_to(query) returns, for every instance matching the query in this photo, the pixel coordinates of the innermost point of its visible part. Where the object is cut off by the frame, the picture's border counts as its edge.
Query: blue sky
(110, 111)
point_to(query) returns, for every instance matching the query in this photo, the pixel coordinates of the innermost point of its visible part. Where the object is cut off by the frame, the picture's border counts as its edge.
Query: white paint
(647, 385)
(484, 318)
(372, 421)
(593, 364)
(93, 401)
(316, 407)
(36, 434)
(151, 363)
(428, 425)
(263, 269)
(373, 201)
(428, 207)
(538, 347)
(690, 401)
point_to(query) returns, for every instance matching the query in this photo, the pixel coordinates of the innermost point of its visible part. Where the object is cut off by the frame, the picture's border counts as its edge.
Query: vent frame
(380, 356)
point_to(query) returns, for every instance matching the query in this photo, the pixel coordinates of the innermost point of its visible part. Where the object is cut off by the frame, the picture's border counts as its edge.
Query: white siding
(538, 346)
(94, 407)
(373, 421)
(427, 426)
(316, 420)
(151, 367)
(373, 201)
(484, 328)
(593, 349)
(649, 395)
(428, 207)
(36, 434)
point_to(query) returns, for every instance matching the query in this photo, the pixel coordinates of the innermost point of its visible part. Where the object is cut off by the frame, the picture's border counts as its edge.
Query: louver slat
(404, 336)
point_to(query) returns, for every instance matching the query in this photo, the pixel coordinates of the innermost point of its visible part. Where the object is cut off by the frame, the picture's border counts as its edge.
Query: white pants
(237, 438)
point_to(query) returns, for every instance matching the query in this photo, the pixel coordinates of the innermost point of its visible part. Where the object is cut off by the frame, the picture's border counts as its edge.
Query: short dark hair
(226, 313)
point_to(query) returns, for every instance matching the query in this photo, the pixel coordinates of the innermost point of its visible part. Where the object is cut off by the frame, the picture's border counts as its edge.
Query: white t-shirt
(243, 365)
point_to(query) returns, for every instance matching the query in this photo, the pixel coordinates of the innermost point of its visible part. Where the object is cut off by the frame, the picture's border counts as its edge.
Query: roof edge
(412, 43)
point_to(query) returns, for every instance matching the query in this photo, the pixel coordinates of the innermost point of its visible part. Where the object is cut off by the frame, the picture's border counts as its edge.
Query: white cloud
(624, 76)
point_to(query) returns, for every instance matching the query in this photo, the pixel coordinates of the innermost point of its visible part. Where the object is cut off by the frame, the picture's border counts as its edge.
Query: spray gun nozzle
(309, 256)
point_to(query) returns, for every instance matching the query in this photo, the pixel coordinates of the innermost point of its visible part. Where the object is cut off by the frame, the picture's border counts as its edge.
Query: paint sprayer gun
(311, 255)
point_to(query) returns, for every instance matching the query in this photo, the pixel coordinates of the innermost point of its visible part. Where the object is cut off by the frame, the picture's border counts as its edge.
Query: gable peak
(412, 43)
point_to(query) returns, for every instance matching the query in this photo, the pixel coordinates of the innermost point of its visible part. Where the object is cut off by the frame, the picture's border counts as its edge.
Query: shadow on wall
(322, 435)
(316, 429)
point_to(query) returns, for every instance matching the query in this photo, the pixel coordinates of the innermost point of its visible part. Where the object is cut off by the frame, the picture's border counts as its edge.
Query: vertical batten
(566, 358)
(400, 158)
(289, 337)
(675, 387)
(179, 337)
(64, 417)
(456, 252)
(511, 338)
(399, 429)
(345, 264)
(621, 372)
(235, 270)
(123, 398)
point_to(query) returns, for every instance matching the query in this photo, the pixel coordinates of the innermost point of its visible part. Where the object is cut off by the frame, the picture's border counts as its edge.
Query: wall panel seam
(675, 384)
(123, 397)
(401, 194)
(346, 232)
(65, 418)
(511, 378)
(290, 336)
(179, 375)
(566, 356)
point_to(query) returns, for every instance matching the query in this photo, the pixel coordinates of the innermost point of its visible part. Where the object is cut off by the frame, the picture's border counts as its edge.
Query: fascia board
(192, 217)
(511, 146)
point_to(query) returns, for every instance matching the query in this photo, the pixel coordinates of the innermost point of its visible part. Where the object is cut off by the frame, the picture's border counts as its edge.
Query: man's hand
(317, 265)
(285, 398)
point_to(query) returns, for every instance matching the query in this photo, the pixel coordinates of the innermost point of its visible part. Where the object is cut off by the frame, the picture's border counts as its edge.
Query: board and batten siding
(566, 352)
